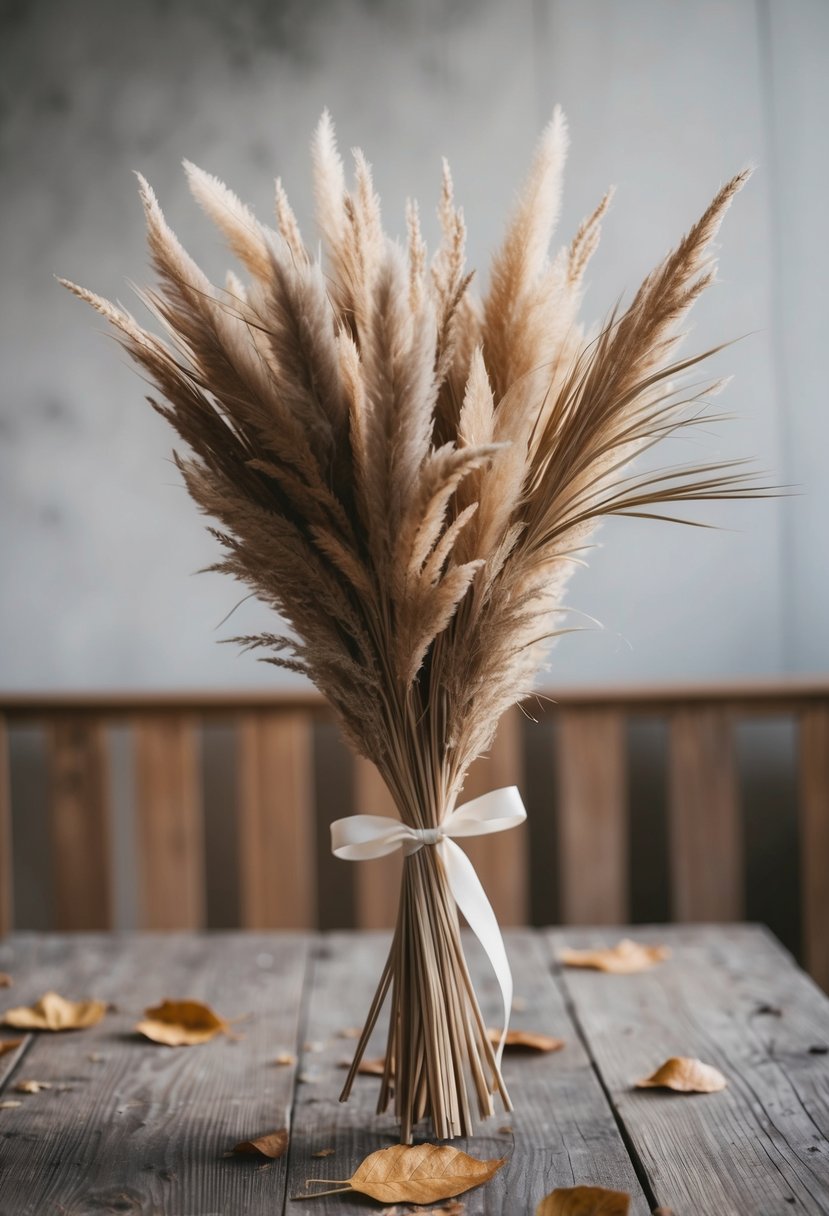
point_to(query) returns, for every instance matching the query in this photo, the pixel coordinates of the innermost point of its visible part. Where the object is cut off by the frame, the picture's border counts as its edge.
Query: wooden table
(129, 1126)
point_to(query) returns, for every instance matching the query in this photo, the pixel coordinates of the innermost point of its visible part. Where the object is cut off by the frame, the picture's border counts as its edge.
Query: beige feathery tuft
(409, 475)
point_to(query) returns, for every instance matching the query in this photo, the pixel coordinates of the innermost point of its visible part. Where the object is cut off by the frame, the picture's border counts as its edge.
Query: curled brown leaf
(54, 1012)
(373, 1067)
(324, 1152)
(625, 958)
(31, 1087)
(9, 1104)
(285, 1057)
(270, 1145)
(419, 1173)
(526, 1040)
(686, 1075)
(182, 1023)
(9, 1045)
(584, 1201)
(6, 980)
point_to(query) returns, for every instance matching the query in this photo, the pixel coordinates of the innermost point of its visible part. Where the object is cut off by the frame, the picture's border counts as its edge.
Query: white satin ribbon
(362, 837)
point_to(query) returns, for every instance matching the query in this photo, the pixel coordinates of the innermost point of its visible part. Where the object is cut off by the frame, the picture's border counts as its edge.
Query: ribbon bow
(361, 837)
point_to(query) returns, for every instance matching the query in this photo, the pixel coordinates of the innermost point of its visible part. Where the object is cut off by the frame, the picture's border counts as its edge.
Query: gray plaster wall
(666, 98)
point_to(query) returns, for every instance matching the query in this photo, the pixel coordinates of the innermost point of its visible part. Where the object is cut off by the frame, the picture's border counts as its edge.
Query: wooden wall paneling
(377, 882)
(591, 767)
(501, 860)
(80, 823)
(705, 829)
(170, 830)
(814, 840)
(276, 821)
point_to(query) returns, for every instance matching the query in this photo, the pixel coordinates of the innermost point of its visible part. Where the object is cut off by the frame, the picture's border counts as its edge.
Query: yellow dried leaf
(686, 1075)
(53, 1012)
(182, 1023)
(324, 1152)
(350, 1032)
(31, 1087)
(6, 980)
(625, 958)
(9, 1045)
(526, 1040)
(285, 1057)
(271, 1145)
(9, 1104)
(419, 1173)
(584, 1201)
(371, 1068)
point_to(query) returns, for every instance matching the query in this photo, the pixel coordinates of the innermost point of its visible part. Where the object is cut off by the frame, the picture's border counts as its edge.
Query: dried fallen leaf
(9, 1104)
(686, 1075)
(285, 1057)
(625, 958)
(526, 1040)
(315, 1045)
(350, 1032)
(9, 1045)
(419, 1173)
(182, 1023)
(371, 1068)
(271, 1145)
(584, 1201)
(324, 1152)
(6, 980)
(31, 1087)
(53, 1012)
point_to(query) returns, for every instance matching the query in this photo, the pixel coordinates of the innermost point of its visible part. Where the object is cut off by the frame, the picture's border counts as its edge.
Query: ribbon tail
(471, 899)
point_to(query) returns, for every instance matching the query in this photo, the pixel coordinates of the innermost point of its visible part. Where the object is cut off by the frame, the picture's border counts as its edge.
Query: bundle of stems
(409, 475)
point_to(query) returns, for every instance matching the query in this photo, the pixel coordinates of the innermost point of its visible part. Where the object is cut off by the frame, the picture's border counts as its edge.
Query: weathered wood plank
(814, 840)
(501, 860)
(377, 883)
(80, 824)
(591, 768)
(562, 1131)
(277, 876)
(732, 997)
(143, 1128)
(706, 850)
(169, 823)
(6, 843)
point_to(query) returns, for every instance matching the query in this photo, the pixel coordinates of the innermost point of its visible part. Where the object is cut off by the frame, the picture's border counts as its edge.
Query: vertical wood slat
(170, 828)
(814, 840)
(6, 853)
(501, 860)
(592, 816)
(705, 832)
(377, 882)
(80, 824)
(276, 818)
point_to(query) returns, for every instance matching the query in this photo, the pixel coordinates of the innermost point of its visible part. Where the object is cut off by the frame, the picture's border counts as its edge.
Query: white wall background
(666, 98)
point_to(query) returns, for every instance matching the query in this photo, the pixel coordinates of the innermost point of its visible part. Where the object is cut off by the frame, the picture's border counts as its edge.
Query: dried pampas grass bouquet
(408, 474)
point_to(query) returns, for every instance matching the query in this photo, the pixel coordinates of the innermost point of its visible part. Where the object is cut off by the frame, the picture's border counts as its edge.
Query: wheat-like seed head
(407, 474)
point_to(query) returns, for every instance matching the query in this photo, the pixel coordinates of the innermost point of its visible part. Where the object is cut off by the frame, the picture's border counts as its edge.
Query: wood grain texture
(814, 840)
(561, 1133)
(80, 824)
(591, 770)
(142, 1128)
(732, 997)
(6, 842)
(705, 837)
(169, 822)
(377, 883)
(501, 860)
(276, 817)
